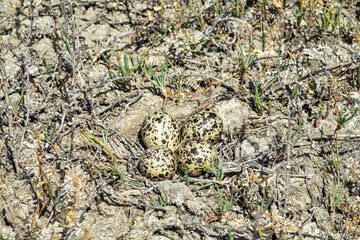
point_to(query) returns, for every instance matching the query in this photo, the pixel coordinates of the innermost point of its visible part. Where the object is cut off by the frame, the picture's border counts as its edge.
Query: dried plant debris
(79, 78)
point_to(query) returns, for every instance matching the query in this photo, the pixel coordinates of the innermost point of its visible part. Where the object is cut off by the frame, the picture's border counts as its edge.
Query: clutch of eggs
(161, 136)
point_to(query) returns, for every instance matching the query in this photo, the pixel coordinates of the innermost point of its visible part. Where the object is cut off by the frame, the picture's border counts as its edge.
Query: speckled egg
(204, 125)
(160, 129)
(192, 152)
(158, 163)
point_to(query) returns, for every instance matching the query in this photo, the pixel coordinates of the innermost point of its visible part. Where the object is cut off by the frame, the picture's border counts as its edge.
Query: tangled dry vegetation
(78, 78)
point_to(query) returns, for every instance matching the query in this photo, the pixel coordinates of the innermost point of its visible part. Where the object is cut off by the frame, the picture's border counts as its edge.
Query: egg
(206, 125)
(160, 129)
(193, 152)
(158, 163)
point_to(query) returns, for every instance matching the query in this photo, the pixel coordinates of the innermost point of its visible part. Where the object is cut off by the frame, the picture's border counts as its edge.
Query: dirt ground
(78, 78)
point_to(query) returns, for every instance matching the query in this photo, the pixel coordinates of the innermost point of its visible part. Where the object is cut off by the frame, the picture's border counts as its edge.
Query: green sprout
(161, 201)
(155, 37)
(358, 78)
(49, 137)
(49, 68)
(347, 28)
(178, 84)
(294, 93)
(265, 203)
(258, 104)
(62, 40)
(230, 236)
(159, 80)
(126, 71)
(244, 63)
(239, 10)
(313, 86)
(299, 14)
(330, 17)
(272, 81)
(15, 105)
(218, 172)
(124, 68)
(199, 14)
(224, 206)
(249, 191)
(217, 8)
(337, 197)
(263, 34)
(335, 157)
(294, 138)
(186, 175)
(343, 118)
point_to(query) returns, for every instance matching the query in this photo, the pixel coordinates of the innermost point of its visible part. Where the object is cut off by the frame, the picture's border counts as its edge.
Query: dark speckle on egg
(194, 151)
(212, 115)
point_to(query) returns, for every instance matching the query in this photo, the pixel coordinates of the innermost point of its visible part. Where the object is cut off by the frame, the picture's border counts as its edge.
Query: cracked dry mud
(69, 133)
